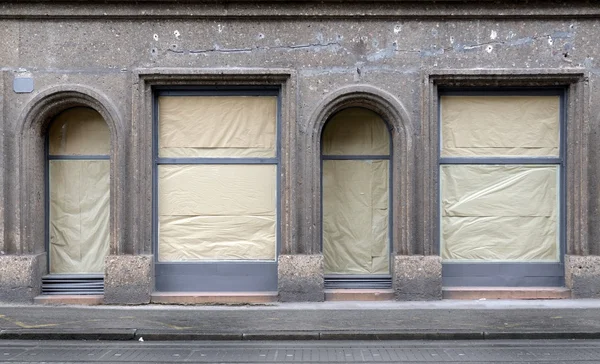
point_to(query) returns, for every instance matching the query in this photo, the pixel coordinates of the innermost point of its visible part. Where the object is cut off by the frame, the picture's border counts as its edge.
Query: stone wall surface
(300, 278)
(128, 279)
(21, 277)
(582, 275)
(417, 278)
(383, 50)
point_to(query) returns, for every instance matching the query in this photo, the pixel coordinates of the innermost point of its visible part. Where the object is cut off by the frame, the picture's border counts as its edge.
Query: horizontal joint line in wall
(217, 161)
(261, 90)
(500, 160)
(79, 157)
(355, 157)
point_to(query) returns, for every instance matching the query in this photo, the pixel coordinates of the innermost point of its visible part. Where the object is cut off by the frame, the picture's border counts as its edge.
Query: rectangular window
(216, 176)
(500, 126)
(501, 164)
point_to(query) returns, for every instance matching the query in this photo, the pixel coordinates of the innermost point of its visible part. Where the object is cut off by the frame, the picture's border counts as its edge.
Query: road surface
(481, 351)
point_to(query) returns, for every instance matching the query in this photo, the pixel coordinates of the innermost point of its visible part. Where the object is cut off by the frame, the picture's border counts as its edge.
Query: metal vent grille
(358, 281)
(73, 284)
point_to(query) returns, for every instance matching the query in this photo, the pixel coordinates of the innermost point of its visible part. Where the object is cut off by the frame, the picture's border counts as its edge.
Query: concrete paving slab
(452, 320)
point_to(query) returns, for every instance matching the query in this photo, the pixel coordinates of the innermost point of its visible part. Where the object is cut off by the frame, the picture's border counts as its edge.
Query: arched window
(78, 194)
(355, 150)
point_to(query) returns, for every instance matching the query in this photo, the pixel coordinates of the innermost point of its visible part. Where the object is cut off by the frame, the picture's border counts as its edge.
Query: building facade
(296, 151)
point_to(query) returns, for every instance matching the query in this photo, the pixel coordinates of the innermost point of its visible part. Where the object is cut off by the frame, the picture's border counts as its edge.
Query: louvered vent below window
(73, 284)
(358, 281)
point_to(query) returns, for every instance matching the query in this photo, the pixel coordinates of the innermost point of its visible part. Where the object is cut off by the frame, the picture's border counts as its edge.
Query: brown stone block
(506, 293)
(192, 298)
(89, 300)
(359, 295)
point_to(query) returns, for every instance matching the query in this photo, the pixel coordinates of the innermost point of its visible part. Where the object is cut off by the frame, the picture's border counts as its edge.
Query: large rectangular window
(501, 167)
(216, 176)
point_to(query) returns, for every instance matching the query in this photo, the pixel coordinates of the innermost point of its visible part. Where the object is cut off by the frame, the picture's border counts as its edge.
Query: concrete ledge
(541, 335)
(150, 335)
(506, 293)
(359, 295)
(175, 335)
(90, 300)
(398, 335)
(67, 334)
(274, 335)
(190, 298)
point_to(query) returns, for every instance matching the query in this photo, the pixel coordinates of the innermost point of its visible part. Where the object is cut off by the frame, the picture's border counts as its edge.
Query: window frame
(66, 157)
(489, 273)
(343, 280)
(205, 268)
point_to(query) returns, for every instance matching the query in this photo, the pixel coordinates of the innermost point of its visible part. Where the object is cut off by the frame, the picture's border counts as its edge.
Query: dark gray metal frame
(509, 274)
(381, 281)
(214, 276)
(82, 284)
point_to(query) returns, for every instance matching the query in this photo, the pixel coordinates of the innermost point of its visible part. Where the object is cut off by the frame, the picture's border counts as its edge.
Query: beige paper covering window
(217, 212)
(497, 126)
(356, 216)
(499, 213)
(356, 131)
(217, 126)
(79, 215)
(79, 131)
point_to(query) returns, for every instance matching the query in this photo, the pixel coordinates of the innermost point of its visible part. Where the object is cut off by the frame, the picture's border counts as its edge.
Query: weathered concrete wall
(332, 57)
(300, 278)
(417, 277)
(128, 279)
(21, 277)
(582, 275)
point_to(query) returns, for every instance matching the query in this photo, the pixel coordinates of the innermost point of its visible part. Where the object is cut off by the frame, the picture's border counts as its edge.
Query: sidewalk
(441, 320)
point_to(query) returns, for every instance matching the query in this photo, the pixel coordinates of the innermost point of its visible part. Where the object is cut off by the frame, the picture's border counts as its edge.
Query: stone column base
(128, 279)
(582, 275)
(21, 277)
(300, 278)
(417, 277)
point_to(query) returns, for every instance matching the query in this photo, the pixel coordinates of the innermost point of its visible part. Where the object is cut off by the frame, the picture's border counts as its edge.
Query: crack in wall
(516, 42)
(391, 51)
(216, 49)
(380, 54)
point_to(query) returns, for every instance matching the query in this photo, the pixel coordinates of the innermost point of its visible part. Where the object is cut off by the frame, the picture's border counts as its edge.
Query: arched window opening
(355, 151)
(78, 197)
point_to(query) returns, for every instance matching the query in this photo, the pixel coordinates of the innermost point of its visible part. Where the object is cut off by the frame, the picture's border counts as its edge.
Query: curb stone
(47, 334)
(186, 336)
(148, 335)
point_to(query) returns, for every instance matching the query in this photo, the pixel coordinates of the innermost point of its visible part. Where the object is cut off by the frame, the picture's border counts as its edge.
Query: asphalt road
(498, 351)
